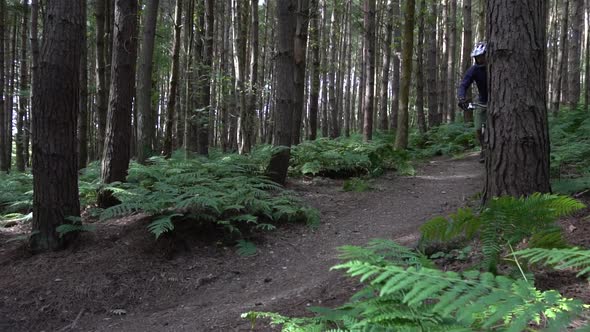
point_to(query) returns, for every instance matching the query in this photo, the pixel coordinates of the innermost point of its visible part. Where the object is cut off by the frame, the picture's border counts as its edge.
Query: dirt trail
(208, 288)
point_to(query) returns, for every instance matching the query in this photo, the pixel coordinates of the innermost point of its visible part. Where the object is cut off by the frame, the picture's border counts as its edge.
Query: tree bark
(146, 123)
(83, 120)
(383, 119)
(171, 105)
(116, 153)
(102, 88)
(395, 83)
(369, 55)
(517, 135)
(205, 81)
(314, 44)
(575, 43)
(241, 34)
(333, 59)
(452, 61)
(432, 68)
(467, 46)
(3, 127)
(55, 157)
(284, 89)
(401, 138)
(420, 69)
(300, 63)
(22, 98)
(561, 58)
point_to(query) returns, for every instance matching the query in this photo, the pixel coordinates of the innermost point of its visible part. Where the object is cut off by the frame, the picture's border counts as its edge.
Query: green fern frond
(471, 297)
(561, 259)
(162, 225)
(69, 228)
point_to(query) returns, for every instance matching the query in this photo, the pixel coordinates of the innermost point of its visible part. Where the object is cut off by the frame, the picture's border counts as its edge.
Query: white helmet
(479, 49)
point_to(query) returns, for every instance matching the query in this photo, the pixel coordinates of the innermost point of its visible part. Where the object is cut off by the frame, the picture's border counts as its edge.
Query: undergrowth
(404, 291)
(348, 157)
(447, 139)
(200, 191)
(570, 151)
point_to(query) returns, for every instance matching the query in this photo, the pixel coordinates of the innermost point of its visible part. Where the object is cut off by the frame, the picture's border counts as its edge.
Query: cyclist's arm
(465, 83)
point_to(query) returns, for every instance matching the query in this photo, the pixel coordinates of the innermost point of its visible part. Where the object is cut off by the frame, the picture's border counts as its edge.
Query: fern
(506, 221)
(561, 259)
(246, 248)
(162, 225)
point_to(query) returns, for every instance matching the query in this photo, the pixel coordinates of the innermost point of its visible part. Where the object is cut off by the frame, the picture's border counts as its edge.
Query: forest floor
(119, 279)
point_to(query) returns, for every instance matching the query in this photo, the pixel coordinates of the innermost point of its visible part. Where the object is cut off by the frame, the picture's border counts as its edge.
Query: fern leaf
(564, 258)
(162, 225)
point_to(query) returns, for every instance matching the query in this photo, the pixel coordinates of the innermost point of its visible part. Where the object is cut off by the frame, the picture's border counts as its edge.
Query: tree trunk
(561, 58)
(22, 98)
(420, 69)
(102, 88)
(395, 83)
(452, 62)
(300, 63)
(241, 34)
(83, 120)
(314, 44)
(401, 138)
(432, 68)
(333, 59)
(55, 160)
(587, 62)
(517, 135)
(467, 46)
(369, 34)
(383, 120)
(481, 24)
(34, 65)
(284, 89)
(3, 127)
(171, 105)
(116, 154)
(146, 123)
(349, 80)
(205, 81)
(575, 44)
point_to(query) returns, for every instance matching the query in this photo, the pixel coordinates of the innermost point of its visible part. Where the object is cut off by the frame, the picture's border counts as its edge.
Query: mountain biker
(478, 74)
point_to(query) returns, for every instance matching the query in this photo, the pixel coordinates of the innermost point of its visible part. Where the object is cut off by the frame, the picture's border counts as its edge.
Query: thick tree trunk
(369, 35)
(101, 84)
(383, 119)
(146, 123)
(314, 94)
(401, 138)
(22, 99)
(83, 120)
(517, 135)
(55, 160)
(432, 68)
(34, 66)
(284, 89)
(171, 105)
(116, 153)
(420, 70)
(467, 46)
(300, 63)
(3, 127)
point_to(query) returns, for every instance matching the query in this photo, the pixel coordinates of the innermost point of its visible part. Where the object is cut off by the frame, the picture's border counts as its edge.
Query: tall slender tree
(432, 67)
(55, 109)
(205, 81)
(172, 94)
(401, 138)
(100, 12)
(3, 146)
(116, 153)
(383, 118)
(300, 65)
(420, 69)
(517, 132)
(83, 119)
(314, 44)
(467, 46)
(146, 122)
(284, 88)
(575, 52)
(395, 82)
(369, 55)
(22, 97)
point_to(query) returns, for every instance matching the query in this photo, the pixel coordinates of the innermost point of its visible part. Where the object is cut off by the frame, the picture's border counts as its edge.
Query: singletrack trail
(208, 288)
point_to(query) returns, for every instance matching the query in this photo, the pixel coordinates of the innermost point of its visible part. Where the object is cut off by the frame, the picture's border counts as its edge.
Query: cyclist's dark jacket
(477, 73)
